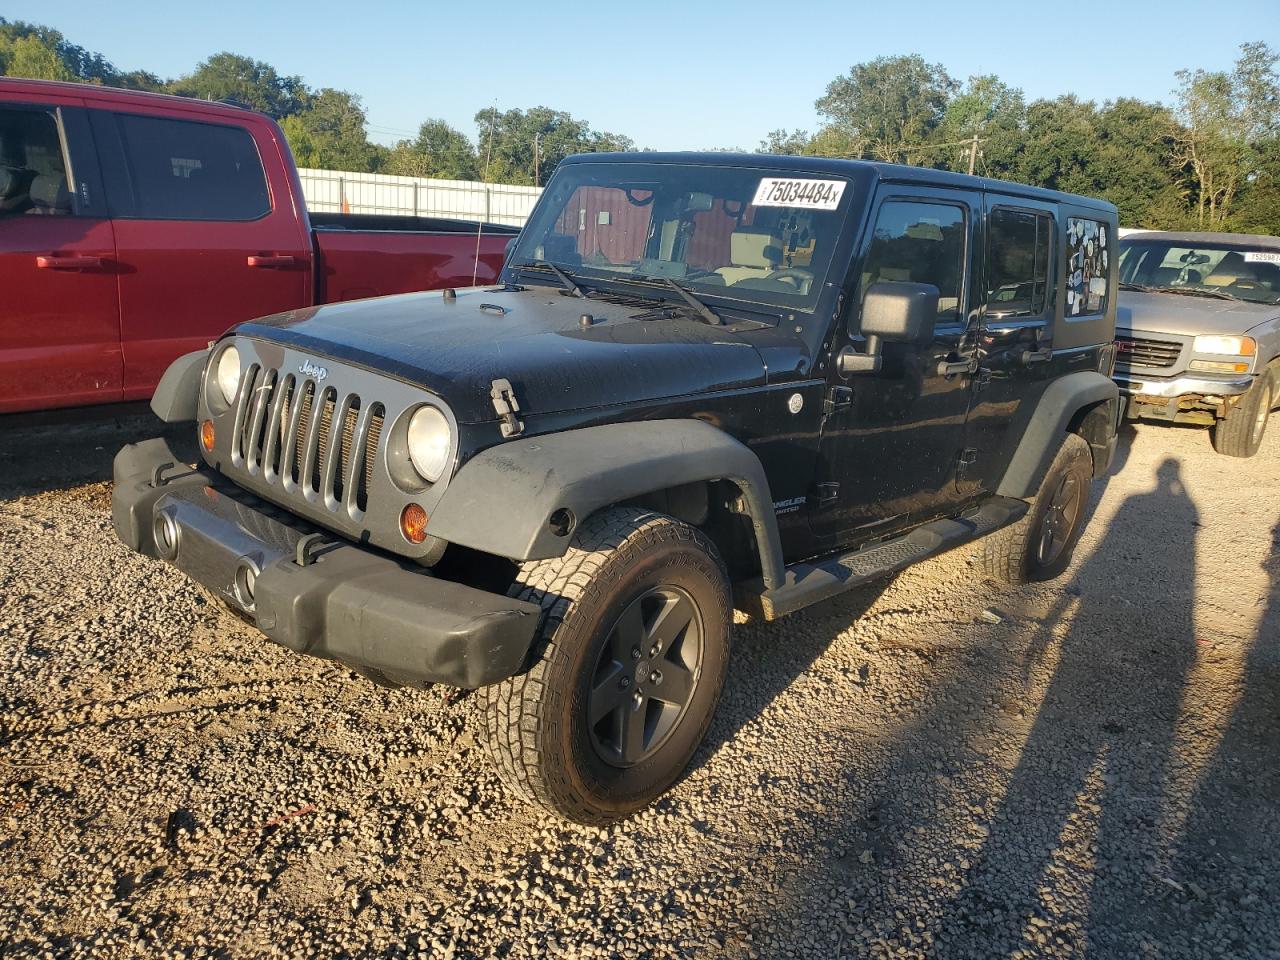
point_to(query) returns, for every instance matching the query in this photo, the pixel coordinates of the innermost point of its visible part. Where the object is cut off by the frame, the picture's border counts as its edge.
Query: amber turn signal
(206, 436)
(413, 523)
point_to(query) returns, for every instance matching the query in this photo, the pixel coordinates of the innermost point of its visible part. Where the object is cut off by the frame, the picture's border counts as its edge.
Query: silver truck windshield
(717, 231)
(1239, 272)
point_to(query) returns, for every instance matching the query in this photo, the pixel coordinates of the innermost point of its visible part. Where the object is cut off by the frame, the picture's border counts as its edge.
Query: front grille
(1142, 352)
(284, 433)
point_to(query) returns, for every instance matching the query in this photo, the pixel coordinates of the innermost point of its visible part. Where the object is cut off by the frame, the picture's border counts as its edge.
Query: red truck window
(33, 173)
(193, 171)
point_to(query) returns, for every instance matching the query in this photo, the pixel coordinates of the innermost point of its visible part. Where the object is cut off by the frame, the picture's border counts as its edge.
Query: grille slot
(307, 438)
(1143, 352)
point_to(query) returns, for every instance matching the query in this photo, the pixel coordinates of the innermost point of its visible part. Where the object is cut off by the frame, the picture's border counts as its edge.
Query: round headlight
(228, 373)
(429, 442)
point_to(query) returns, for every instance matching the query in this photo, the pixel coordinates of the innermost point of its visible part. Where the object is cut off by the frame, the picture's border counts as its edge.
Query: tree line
(1209, 160)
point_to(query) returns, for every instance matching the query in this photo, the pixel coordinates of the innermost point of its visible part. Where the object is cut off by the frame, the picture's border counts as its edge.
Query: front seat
(753, 255)
(1231, 269)
(49, 195)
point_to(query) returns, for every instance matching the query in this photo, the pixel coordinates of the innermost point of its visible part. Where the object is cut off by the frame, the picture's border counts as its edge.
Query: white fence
(333, 191)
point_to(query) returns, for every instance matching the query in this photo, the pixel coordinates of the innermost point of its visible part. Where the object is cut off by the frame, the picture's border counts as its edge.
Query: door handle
(1029, 357)
(52, 261)
(268, 262)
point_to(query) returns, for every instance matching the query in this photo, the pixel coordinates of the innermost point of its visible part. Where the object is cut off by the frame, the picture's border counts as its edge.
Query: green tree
(508, 140)
(889, 108)
(251, 82)
(985, 108)
(1226, 118)
(330, 133)
(32, 58)
(782, 141)
(439, 150)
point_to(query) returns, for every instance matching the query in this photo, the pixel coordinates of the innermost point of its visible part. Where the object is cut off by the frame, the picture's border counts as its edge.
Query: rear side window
(919, 243)
(181, 170)
(1088, 260)
(1017, 263)
(33, 170)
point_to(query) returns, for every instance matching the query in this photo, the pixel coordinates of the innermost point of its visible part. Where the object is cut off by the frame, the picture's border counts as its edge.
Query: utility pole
(537, 159)
(973, 154)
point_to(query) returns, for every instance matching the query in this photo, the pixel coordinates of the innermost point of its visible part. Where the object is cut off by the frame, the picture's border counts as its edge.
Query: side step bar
(815, 580)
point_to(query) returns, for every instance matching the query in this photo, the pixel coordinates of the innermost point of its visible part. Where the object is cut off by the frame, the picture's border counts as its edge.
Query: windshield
(1214, 269)
(716, 230)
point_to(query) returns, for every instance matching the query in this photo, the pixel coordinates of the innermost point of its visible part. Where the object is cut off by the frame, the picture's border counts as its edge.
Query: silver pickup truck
(1198, 333)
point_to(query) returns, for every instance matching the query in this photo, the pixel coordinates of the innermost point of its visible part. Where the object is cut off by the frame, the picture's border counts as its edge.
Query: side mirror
(893, 311)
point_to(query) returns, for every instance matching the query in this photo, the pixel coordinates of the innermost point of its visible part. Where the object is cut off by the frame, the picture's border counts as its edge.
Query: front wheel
(627, 670)
(1239, 434)
(1040, 545)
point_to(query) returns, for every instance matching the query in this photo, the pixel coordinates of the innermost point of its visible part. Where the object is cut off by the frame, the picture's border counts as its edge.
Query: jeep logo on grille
(309, 369)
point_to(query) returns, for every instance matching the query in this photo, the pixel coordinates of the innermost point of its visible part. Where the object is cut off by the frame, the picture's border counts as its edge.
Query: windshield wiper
(703, 311)
(566, 281)
(1135, 286)
(1196, 292)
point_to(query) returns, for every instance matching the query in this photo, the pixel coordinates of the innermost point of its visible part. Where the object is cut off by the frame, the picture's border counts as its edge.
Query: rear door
(1016, 304)
(59, 312)
(207, 232)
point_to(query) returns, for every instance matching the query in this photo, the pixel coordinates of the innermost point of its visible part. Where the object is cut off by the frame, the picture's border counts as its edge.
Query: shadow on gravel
(1224, 854)
(1087, 792)
(70, 448)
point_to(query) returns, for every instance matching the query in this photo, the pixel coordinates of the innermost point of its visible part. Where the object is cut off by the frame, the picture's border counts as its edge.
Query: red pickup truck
(136, 227)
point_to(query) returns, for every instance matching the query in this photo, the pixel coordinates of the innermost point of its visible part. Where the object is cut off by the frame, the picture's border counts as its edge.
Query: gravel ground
(890, 774)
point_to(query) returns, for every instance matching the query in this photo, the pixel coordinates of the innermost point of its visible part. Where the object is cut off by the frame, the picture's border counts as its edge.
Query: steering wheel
(1245, 284)
(801, 278)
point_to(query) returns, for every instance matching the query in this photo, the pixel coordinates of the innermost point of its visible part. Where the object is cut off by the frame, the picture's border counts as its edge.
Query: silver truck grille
(1143, 352)
(284, 433)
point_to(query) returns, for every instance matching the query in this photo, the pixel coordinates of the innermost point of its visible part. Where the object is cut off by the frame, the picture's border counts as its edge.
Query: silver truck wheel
(1240, 433)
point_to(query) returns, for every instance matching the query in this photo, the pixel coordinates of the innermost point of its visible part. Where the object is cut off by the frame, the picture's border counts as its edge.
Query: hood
(455, 349)
(1188, 316)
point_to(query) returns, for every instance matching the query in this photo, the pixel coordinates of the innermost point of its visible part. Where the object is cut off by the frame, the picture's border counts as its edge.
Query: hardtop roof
(886, 172)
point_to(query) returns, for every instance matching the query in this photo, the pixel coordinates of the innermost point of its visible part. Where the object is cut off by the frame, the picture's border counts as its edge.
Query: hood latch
(506, 406)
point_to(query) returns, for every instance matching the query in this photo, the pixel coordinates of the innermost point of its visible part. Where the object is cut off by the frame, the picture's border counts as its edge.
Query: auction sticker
(1262, 256)
(813, 194)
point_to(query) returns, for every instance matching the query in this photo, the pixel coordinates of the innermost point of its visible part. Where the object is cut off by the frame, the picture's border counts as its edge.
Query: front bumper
(1171, 388)
(315, 594)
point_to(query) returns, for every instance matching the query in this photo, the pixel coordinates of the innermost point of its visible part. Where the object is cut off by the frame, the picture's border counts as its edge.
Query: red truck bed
(136, 227)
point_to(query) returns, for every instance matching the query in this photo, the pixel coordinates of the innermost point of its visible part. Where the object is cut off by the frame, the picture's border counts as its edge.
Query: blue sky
(671, 75)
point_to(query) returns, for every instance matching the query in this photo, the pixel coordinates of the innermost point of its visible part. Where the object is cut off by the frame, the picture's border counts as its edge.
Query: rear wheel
(1040, 545)
(1240, 432)
(627, 672)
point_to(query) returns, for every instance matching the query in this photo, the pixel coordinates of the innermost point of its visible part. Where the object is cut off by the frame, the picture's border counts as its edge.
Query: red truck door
(208, 231)
(59, 309)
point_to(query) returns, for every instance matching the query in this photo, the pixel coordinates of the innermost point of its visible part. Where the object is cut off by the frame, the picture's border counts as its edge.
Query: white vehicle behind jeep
(1198, 332)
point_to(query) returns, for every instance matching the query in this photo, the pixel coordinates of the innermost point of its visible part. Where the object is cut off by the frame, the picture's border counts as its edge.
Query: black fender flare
(177, 395)
(501, 501)
(1057, 407)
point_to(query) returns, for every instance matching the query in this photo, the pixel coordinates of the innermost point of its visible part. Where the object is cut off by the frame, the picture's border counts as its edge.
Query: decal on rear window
(814, 194)
(1088, 258)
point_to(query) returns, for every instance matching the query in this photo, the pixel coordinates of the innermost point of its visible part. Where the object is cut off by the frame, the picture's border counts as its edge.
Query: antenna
(488, 155)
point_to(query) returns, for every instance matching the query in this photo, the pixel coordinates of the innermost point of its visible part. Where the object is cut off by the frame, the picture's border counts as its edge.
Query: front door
(891, 440)
(206, 239)
(59, 311)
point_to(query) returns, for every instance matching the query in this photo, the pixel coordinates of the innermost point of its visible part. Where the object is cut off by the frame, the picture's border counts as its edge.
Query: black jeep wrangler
(707, 381)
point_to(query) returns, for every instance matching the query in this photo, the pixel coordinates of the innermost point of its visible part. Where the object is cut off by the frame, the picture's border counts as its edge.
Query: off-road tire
(1240, 432)
(1011, 555)
(535, 724)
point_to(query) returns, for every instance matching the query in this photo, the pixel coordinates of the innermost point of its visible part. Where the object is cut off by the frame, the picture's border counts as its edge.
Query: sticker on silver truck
(813, 194)
(1262, 256)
